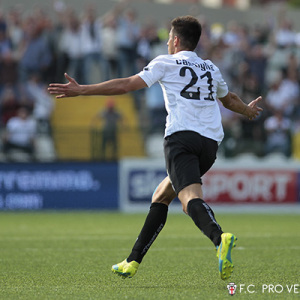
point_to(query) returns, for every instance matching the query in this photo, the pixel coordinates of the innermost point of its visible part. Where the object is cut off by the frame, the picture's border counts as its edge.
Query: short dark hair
(188, 29)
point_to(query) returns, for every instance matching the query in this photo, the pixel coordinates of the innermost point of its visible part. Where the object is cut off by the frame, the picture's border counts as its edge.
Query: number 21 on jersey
(188, 94)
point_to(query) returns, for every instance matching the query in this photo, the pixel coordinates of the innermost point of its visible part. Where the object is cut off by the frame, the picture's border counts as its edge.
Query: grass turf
(50, 255)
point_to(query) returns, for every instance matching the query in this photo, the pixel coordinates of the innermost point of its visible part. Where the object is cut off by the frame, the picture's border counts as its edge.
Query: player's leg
(155, 221)
(191, 198)
(189, 156)
(204, 218)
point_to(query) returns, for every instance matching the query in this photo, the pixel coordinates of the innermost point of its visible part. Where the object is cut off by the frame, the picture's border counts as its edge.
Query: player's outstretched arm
(117, 86)
(233, 102)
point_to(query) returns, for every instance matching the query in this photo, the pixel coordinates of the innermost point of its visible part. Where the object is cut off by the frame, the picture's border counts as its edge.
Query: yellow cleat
(125, 269)
(224, 255)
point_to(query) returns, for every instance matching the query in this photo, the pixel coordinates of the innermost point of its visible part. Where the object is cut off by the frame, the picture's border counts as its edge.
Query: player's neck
(181, 49)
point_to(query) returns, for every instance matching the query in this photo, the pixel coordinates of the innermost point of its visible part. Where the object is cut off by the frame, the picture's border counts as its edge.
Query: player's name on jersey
(203, 66)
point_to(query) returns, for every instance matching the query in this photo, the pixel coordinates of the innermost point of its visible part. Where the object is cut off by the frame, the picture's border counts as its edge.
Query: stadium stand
(249, 46)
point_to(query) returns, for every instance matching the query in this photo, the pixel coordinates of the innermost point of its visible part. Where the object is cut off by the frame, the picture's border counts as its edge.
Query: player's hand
(70, 89)
(255, 110)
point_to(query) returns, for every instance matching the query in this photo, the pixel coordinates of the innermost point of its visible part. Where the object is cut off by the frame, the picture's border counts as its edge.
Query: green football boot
(224, 255)
(125, 269)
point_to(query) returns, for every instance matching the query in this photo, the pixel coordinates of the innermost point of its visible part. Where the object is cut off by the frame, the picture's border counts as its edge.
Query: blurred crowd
(262, 59)
(36, 48)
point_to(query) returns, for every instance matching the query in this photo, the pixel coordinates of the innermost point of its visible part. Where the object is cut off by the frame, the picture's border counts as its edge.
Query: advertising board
(59, 186)
(224, 184)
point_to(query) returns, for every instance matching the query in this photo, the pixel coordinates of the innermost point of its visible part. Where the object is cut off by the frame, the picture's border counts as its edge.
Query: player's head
(187, 31)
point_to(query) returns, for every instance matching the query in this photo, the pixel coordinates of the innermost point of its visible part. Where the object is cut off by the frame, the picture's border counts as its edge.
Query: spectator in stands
(8, 105)
(71, 45)
(282, 95)
(8, 70)
(91, 44)
(280, 47)
(3, 23)
(285, 35)
(232, 36)
(259, 34)
(20, 134)
(7, 63)
(252, 133)
(257, 63)
(111, 119)
(5, 44)
(36, 54)
(43, 104)
(109, 47)
(61, 23)
(278, 130)
(15, 30)
(127, 36)
(147, 40)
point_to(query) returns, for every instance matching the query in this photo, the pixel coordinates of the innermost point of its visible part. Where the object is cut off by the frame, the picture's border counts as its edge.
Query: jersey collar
(187, 53)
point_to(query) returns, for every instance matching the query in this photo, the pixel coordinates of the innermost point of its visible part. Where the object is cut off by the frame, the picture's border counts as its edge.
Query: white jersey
(190, 86)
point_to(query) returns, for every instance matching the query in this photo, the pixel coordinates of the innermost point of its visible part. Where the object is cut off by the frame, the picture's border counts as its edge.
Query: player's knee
(184, 207)
(161, 198)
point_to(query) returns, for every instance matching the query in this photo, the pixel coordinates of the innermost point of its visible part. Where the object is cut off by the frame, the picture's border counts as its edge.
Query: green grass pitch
(55, 255)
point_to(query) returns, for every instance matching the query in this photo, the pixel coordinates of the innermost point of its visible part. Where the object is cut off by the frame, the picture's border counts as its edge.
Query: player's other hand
(70, 89)
(255, 109)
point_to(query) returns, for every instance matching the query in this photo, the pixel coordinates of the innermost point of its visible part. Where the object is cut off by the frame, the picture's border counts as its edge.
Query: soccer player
(193, 132)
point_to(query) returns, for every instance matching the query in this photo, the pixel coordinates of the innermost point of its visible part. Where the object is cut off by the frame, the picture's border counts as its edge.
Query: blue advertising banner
(138, 180)
(73, 185)
(142, 184)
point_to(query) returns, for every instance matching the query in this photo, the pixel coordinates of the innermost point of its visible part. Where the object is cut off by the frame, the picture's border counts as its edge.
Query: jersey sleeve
(222, 89)
(153, 72)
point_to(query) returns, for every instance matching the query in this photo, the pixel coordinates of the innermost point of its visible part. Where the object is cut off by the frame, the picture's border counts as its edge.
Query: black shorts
(188, 156)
